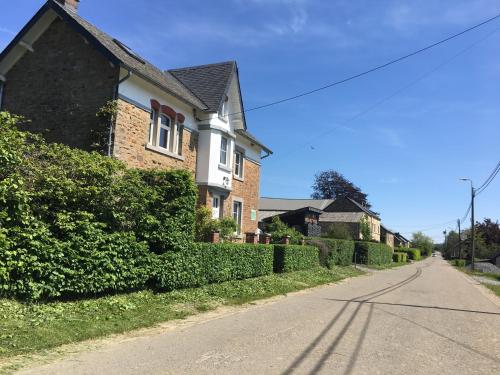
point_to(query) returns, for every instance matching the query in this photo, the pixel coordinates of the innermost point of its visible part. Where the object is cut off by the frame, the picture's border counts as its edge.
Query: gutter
(111, 122)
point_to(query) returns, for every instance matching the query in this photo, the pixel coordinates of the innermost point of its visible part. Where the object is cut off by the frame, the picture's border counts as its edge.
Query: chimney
(71, 5)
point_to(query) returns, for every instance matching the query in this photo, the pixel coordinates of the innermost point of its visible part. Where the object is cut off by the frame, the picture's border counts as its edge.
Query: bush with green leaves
(208, 263)
(399, 257)
(459, 262)
(340, 231)
(278, 230)
(289, 258)
(413, 254)
(373, 253)
(227, 228)
(333, 251)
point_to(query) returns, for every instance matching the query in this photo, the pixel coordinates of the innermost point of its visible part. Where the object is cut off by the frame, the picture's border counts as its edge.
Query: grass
(31, 328)
(387, 266)
(494, 288)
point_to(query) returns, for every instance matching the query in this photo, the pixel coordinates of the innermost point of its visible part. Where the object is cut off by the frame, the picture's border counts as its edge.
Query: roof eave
(253, 140)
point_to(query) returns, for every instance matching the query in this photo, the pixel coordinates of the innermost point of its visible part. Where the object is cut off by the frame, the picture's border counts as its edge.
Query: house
(351, 214)
(60, 70)
(400, 240)
(495, 260)
(301, 214)
(386, 236)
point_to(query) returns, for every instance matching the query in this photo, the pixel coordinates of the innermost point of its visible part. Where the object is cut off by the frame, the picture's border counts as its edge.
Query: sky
(404, 135)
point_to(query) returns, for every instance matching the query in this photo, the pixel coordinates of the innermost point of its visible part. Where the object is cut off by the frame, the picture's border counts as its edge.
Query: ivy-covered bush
(208, 263)
(413, 254)
(373, 253)
(399, 257)
(295, 257)
(333, 251)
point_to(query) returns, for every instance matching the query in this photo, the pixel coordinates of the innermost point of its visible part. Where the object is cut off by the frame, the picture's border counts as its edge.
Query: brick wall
(60, 87)
(131, 135)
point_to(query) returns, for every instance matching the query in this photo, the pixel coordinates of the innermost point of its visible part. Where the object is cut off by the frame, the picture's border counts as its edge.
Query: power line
(488, 181)
(366, 72)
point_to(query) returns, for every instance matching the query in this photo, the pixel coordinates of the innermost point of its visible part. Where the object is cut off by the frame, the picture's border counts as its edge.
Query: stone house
(351, 214)
(60, 70)
(386, 236)
(401, 241)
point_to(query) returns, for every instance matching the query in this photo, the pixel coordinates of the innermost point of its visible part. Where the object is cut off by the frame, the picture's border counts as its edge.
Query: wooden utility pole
(459, 241)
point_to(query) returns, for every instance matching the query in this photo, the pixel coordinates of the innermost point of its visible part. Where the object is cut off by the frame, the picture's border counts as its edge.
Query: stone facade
(130, 142)
(60, 87)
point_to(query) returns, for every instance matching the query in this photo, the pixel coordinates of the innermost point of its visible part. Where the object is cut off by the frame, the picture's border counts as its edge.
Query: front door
(216, 207)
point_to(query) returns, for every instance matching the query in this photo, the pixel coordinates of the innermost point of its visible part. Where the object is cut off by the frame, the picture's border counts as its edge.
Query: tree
(339, 231)
(422, 242)
(490, 231)
(331, 184)
(366, 232)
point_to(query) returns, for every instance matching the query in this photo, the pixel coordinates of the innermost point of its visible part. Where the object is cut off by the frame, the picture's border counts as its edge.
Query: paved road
(426, 318)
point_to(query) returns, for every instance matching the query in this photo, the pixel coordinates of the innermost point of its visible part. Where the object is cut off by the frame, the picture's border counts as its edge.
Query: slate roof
(283, 204)
(364, 209)
(341, 217)
(386, 229)
(401, 237)
(208, 82)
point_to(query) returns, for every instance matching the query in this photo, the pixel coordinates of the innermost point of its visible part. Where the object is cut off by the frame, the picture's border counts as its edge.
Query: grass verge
(31, 328)
(386, 266)
(494, 288)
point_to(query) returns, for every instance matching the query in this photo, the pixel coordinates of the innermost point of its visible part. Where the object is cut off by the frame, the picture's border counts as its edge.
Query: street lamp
(473, 194)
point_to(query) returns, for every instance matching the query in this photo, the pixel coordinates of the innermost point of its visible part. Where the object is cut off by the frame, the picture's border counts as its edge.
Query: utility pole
(446, 244)
(459, 241)
(473, 229)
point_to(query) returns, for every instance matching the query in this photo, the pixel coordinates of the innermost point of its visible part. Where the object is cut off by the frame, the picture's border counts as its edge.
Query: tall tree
(331, 184)
(490, 231)
(422, 242)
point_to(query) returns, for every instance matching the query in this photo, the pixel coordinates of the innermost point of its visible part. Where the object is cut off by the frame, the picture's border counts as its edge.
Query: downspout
(111, 122)
(266, 155)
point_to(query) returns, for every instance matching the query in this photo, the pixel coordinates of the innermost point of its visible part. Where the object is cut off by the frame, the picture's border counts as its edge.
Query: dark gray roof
(386, 229)
(341, 217)
(364, 209)
(283, 204)
(208, 82)
(401, 237)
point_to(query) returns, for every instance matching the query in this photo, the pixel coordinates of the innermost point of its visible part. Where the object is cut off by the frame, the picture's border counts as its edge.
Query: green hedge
(413, 254)
(373, 253)
(208, 263)
(333, 251)
(295, 257)
(459, 262)
(399, 257)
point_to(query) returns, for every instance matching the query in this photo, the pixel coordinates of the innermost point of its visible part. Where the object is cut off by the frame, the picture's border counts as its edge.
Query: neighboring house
(59, 70)
(301, 214)
(401, 241)
(386, 236)
(496, 260)
(351, 213)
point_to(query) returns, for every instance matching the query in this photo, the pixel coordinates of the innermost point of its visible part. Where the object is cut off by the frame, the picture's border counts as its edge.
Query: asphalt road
(425, 318)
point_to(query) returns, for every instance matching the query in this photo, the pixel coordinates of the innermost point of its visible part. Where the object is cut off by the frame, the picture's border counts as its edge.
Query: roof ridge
(202, 66)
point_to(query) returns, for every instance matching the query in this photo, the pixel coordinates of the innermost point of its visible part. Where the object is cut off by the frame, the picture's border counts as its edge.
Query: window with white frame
(237, 211)
(223, 150)
(165, 133)
(224, 109)
(238, 164)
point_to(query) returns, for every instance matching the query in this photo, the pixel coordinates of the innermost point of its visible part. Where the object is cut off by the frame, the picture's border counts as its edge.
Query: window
(216, 207)
(164, 132)
(223, 150)
(238, 164)
(237, 208)
(224, 108)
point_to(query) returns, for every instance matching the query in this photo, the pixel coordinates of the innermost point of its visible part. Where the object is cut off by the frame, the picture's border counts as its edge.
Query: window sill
(224, 167)
(238, 178)
(161, 150)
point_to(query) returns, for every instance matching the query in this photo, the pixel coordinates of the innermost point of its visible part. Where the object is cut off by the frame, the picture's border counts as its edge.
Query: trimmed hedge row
(399, 257)
(295, 257)
(373, 253)
(334, 251)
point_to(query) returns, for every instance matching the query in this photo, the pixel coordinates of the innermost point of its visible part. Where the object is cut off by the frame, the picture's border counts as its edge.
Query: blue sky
(440, 111)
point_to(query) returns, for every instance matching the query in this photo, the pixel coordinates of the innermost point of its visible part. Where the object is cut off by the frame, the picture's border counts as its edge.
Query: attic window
(129, 51)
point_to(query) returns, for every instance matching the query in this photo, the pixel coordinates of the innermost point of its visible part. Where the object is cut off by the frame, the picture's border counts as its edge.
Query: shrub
(413, 254)
(373, 253)
(204, 224)
(399, 257)
(295, 257)
(227, 227)
(339, 231)
(208, 263)
(459, 262)
(334, 252)
(277, 229)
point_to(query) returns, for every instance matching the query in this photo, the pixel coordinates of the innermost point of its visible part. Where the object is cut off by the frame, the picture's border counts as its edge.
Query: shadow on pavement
(364, 298)
(416, 306)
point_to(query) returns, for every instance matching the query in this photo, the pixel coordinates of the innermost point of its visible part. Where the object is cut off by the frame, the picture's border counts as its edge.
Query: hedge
(399, 257)
(295, 257)
(373, 253)
(413, 254)
(333, 251)
(208, 263)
